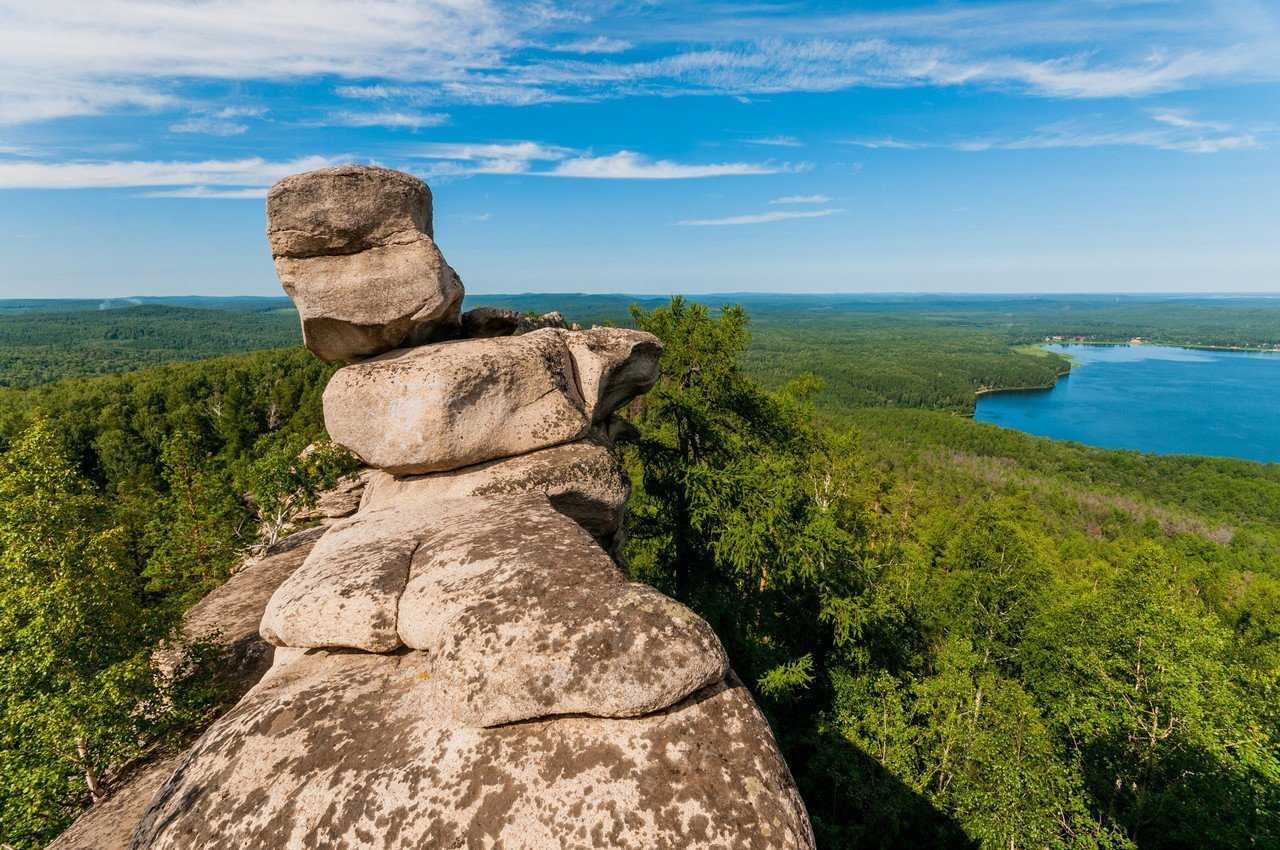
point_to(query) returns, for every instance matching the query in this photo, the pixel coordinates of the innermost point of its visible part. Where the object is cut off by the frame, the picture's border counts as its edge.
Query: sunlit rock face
(440, 407)
(462, 662)
(361, 750)
(353, 249)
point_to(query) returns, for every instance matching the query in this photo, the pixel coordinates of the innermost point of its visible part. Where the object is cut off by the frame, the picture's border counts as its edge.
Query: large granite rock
(353, 249)
(583, 480)
(527, 617)
(614, 365)
(446, 406)
(355, 750)
(346, 592)
(520, 612)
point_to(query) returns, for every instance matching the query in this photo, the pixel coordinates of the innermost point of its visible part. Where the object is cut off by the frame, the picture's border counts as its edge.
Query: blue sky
(648, 147)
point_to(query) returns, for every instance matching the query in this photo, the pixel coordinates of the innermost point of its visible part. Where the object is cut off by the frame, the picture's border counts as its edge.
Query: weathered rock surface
(483, 322)
(346, 592)
(353, 249)
(345, 210)
(521, 613)
(360, 751)
(459, 403)
(527, 617)
(614, 366)
(341, 501)
(583, 480)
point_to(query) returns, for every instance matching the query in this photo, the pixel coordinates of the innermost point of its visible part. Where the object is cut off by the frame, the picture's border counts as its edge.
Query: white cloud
(207, 193)
(802, 199)
(887, 142)
(527, 151)
(26, 98)
(387, 118)
(1181, 118)
(776, 141)
(599, 44)
(220, 122)
(197, 176)
(58, 58)
(627, 165)
(760, 218)
(451, 159)
(1177, 131)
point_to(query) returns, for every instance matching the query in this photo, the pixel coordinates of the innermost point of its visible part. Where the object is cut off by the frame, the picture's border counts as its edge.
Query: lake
(1154, 399)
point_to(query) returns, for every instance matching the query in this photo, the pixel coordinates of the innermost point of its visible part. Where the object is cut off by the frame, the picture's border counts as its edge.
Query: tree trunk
(90, 775)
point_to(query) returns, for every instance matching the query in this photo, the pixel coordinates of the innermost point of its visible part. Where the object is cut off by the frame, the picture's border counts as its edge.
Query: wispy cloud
(627, 165)
(196, 177)
(57, 61)
(207, 193)
(885, 143)
(802, 199)
(218, 122)
(1177, 130)
(464, 159)
(758, 218)
(386, 118)
(776, 141)
(599, 44)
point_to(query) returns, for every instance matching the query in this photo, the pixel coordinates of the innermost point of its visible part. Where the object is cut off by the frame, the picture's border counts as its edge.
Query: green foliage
(963, 635)
(39, 347)
(197, 532)
(77, 691)
(123, 503)
(287, 478)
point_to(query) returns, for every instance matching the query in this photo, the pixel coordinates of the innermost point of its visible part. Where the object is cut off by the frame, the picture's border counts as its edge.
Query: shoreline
(1247, 349)
(979, 393)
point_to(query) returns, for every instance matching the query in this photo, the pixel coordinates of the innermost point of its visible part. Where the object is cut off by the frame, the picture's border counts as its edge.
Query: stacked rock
(462, 663)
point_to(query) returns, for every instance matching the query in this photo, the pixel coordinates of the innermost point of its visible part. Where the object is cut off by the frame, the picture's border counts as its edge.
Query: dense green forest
(963, 636)
(904, 351)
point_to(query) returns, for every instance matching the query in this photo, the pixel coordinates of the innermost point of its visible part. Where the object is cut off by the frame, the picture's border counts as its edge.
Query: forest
(962, 636)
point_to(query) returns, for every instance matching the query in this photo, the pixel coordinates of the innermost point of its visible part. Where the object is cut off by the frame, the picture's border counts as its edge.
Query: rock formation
(354, 250)
(461, 662)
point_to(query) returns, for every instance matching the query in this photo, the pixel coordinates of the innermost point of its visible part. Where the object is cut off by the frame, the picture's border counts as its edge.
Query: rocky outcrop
(581, 479)
(441, 407)
(461, 662)
(483, 322)
(353, 247)
(355, 750)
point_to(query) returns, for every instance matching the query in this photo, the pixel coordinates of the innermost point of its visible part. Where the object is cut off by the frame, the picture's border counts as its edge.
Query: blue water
(1154, 399)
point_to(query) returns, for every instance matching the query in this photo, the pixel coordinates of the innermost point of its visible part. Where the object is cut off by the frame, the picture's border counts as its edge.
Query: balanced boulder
(441, 407)
(353, 248)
